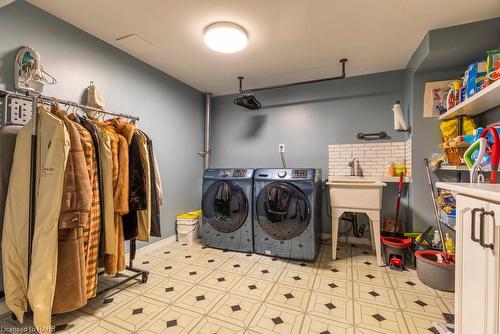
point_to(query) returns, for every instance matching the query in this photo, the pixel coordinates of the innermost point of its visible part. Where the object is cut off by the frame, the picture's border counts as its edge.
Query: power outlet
(281, 148)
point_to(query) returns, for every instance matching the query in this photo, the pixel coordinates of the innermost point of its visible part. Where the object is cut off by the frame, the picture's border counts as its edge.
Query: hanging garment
(137, 178)
(277, 203)
(144, 216)
(222, 203)
(114, 263)
(107, 198)
(71, 285)
(137, 188)
(91, 235)
(156, 192)
(100, 183)
(8, 136)
(53, 145)
(130, 220)
(158, 187)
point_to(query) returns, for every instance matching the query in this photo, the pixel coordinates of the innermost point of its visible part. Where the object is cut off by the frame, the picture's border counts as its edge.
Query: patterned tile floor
(195, 289)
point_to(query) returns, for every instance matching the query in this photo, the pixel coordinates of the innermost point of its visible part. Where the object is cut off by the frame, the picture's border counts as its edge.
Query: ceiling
(289, 40)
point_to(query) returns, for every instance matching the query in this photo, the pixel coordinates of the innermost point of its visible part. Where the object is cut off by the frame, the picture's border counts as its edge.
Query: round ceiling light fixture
(226, 37)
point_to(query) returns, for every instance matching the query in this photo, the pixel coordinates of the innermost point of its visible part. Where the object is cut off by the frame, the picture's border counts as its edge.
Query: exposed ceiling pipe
(207, 150)
(342, 76)
(248, 100)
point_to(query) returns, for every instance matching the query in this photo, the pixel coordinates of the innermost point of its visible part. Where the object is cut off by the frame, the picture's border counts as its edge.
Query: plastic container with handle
(188, 227)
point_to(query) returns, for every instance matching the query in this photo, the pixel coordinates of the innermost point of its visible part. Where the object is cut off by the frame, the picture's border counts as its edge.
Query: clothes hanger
(75, 109)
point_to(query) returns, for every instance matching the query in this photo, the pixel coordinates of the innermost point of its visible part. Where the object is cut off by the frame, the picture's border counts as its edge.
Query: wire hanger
(54, 103)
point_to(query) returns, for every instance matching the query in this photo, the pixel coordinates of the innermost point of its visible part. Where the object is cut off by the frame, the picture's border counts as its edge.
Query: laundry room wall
(307, 119)
(171, 112)
(443, 54)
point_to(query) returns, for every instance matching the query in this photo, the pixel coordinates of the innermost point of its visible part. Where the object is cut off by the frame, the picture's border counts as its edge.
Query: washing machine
(227, 209)
(287, 212)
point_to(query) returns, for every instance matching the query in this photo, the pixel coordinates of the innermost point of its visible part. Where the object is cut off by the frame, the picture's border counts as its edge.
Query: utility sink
(355, 192)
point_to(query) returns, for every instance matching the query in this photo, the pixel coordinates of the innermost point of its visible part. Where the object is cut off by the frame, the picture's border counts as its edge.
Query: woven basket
(454, 152)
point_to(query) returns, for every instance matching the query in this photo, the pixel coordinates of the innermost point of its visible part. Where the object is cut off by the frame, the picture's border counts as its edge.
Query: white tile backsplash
(373, 157)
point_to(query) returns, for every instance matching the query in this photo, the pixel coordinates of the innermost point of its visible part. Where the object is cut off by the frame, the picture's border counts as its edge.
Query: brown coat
(119, 147)
(70, 291)
(91, 234)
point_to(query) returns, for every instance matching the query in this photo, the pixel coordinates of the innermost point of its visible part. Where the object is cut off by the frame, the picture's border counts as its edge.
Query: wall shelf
(388, 179)
(454, 168)
(451, 227)
(461, 168)
(393, 179)
(484, 100)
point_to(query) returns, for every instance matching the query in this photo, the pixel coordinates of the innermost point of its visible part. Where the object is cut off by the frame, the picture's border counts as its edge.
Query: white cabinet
(477, 277)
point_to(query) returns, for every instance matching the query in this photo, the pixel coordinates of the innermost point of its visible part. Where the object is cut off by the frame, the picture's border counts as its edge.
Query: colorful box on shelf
(448, 219)
(474, 78)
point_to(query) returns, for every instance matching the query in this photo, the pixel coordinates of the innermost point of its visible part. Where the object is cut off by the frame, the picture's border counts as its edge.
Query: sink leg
(371, 236)
(335, 233)
(376, 238)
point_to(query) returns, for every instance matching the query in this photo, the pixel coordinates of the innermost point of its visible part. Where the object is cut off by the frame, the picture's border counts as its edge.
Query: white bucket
(187, 230)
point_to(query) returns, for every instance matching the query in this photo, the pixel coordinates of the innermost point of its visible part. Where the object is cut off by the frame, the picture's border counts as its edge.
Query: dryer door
(225, 206)
(283, 211)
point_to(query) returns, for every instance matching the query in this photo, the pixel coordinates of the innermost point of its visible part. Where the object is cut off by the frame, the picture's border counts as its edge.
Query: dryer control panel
(296, 174)
(299, 173)
(228, 173)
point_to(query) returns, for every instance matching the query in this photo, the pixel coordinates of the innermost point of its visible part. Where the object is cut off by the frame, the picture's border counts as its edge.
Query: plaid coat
(91, 233)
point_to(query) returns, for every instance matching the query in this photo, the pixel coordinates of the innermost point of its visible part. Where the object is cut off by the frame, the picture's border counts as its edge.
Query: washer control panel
(299, 173)
(282, 173)
(225, 172)
(240, 173)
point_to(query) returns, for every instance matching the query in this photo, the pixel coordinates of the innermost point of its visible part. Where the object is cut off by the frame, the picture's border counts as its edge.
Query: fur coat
(70, 293)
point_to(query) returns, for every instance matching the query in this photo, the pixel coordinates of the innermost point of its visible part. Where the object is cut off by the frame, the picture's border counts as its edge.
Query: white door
(471, 269)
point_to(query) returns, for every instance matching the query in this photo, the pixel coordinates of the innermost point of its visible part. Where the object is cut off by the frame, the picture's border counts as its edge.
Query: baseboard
(326, 238)
(157, 244)
(154, 245)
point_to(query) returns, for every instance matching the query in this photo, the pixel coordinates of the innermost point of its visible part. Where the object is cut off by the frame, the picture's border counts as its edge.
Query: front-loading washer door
(225, 206)
(283, 211)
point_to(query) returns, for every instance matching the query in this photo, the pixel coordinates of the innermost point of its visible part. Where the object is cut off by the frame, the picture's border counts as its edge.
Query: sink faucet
(355, 167)
(351, 165)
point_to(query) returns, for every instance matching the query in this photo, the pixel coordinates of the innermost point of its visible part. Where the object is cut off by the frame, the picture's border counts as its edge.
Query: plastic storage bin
(188, 227)
(447, 219)
(440, 276)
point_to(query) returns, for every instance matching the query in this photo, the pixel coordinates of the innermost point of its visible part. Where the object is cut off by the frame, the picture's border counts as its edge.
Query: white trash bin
(187, 230)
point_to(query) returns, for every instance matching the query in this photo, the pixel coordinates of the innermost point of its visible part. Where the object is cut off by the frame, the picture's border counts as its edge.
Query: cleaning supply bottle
(436, 239)
(391, 169)
(400, 168)
(449, 244)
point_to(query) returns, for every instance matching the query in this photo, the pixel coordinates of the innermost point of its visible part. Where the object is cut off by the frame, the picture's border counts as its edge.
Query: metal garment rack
(35, 99)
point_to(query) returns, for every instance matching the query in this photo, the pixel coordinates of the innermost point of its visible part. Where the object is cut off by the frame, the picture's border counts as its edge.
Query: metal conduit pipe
(207, 150)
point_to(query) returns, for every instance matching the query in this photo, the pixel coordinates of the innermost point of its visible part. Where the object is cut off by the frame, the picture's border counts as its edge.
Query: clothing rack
(35, 99)
(50, 100)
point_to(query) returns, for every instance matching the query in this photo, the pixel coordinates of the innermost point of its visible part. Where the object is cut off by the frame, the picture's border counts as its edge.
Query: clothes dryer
(227, 209)
(287, 212)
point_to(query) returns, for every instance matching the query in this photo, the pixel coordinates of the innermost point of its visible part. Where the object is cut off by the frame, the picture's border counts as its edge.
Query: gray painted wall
(307, 119)
(171, 112)
(443, 54)
(426, 137)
